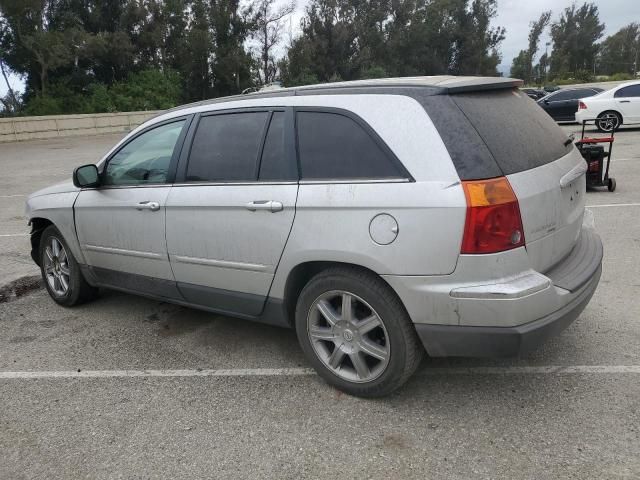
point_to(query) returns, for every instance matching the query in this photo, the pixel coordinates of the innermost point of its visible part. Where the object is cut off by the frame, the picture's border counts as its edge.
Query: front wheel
(356, 333)
(608, 122)
(61, 272)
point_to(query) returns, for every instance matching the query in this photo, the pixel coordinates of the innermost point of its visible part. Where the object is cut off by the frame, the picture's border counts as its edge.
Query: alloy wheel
(608, 122)
(56, 267)
(348, 336)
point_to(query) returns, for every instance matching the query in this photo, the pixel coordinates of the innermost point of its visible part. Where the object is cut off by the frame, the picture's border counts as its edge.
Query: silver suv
(378, 218)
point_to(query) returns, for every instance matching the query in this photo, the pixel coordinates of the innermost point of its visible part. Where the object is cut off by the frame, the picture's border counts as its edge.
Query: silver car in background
(378, 218)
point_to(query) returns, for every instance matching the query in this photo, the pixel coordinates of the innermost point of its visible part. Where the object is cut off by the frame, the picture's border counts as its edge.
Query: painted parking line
(11, 196)
(297, 372)
(606, 205)
(14, 235)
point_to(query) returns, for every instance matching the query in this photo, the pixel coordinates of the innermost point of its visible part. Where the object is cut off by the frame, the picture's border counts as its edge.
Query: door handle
(269, 205)
(147, 205)
(624, 101)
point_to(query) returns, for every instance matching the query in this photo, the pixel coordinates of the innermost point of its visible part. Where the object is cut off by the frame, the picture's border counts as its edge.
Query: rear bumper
(462, 315)
(463, 341)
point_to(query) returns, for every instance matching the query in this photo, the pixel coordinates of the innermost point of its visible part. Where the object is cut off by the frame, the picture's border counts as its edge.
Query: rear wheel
(611, 185)
(608, 122)
(356, 333)
(61, 272)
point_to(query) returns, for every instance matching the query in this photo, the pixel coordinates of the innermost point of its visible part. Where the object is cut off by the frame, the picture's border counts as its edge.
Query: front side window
(630, 91)
(145, 159)
(333, 146)
(226, 147)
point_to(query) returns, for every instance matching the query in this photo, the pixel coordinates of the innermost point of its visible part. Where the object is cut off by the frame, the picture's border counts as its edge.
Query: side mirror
(86, 176)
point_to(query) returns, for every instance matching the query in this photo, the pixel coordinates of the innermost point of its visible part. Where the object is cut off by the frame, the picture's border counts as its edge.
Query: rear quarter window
(333, 146)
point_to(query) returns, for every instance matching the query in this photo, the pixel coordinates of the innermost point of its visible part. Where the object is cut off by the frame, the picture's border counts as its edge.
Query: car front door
(627, 101)
(121, 224)
(231, 209)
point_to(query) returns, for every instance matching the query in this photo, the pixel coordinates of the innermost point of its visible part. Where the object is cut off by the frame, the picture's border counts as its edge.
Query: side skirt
(213, 300)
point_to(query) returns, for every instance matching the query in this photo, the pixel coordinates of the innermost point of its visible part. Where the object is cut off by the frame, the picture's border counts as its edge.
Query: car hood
(62, 187)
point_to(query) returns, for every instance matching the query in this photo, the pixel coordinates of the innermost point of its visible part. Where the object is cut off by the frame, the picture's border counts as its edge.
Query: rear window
(630, 91)
(493, 133)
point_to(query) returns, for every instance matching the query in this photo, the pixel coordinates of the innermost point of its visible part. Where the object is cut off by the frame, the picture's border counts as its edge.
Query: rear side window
(518, 134)
(630, 91)
(275, 163)
(226, 147)
(333, 146)
(563, 95)
(572, 94)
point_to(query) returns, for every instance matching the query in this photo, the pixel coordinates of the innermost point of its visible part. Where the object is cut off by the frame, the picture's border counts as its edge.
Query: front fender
(58, 209)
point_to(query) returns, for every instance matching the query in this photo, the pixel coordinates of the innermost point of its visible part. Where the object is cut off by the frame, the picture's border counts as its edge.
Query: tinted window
(145, 159)
(571, 94)
(518, 134)
(334, 146)
(563, 95)
(630, 91)
(225, 147)
(275, 164)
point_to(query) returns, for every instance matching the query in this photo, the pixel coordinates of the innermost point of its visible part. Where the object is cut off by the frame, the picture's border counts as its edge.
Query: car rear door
(121, 224)
(627, 101)
(231, 210)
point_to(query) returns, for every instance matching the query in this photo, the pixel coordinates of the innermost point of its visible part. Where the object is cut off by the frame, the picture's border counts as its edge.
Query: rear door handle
(624, 101)
(147, 205)
(269, 205)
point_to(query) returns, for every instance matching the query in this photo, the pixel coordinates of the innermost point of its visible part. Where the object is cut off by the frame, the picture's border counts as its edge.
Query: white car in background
(613, 108)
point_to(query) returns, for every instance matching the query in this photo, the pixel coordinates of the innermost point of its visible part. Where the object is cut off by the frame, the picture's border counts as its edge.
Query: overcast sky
(515, 16)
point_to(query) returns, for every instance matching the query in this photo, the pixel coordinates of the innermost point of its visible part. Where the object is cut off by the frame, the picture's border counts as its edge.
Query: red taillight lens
(582, 106)
(493, 221)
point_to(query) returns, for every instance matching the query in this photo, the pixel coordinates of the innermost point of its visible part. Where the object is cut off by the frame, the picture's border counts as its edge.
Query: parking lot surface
(126, 387)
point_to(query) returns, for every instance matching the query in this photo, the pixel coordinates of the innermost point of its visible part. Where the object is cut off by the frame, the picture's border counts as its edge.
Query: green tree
(619, 52)
(326, 48)
(349, 39)
(520, 65)
(232, 63)
(476, 43)
(574, 38)
(537, 27)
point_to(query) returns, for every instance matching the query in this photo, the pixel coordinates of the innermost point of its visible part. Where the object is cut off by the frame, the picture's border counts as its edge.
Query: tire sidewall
(389, 315)
(71, 296)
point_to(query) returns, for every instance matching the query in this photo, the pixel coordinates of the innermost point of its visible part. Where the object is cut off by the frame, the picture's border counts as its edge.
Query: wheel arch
(611, 110)
(303, 272)
(38, 225)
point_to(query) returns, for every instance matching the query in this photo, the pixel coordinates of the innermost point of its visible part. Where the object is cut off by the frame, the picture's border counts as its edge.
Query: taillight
(493, 221)
(582, 106)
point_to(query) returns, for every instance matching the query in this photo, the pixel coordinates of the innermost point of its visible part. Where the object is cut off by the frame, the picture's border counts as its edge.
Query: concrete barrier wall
(29, 128)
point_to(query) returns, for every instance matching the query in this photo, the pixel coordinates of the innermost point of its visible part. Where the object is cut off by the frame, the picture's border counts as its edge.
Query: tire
(371, 351)
(59, 268)
(611, 184)
(608, 122)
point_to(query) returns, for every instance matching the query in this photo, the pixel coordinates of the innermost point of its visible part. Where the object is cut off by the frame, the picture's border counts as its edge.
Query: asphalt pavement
(126, 387)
